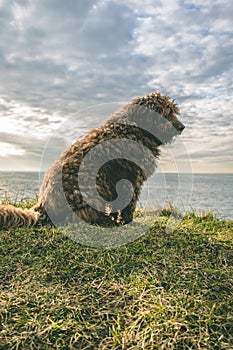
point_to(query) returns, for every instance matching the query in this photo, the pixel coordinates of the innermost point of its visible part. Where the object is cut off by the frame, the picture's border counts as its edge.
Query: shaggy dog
(99, 178)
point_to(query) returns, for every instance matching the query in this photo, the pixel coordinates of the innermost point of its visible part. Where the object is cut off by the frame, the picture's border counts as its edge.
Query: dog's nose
(180, 128)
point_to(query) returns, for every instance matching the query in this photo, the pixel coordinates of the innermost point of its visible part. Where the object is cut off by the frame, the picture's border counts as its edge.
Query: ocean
(187, 192)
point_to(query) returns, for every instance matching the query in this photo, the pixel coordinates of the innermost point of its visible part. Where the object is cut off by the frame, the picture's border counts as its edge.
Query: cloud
(58, 58)
(7, 149)
(16, 117)
(186, 47)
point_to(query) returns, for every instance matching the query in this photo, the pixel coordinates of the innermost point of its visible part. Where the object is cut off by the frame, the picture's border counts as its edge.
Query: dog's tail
(11, 216)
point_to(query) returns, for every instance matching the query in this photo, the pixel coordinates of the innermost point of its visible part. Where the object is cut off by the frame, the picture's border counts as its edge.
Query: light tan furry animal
(127, 144)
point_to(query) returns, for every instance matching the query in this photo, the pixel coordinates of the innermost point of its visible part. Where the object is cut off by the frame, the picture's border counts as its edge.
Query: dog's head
(155, 114)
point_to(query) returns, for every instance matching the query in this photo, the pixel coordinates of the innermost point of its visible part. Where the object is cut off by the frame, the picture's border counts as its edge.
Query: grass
(166, 290)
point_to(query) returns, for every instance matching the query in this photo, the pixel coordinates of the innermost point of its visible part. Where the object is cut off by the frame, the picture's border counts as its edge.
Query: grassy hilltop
(164, 291)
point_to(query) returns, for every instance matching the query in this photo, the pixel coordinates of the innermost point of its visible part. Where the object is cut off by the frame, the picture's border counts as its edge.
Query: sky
(65, 65)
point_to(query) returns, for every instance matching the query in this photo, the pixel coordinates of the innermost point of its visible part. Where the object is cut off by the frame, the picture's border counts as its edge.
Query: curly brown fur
(11, 216)
(150, 121)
